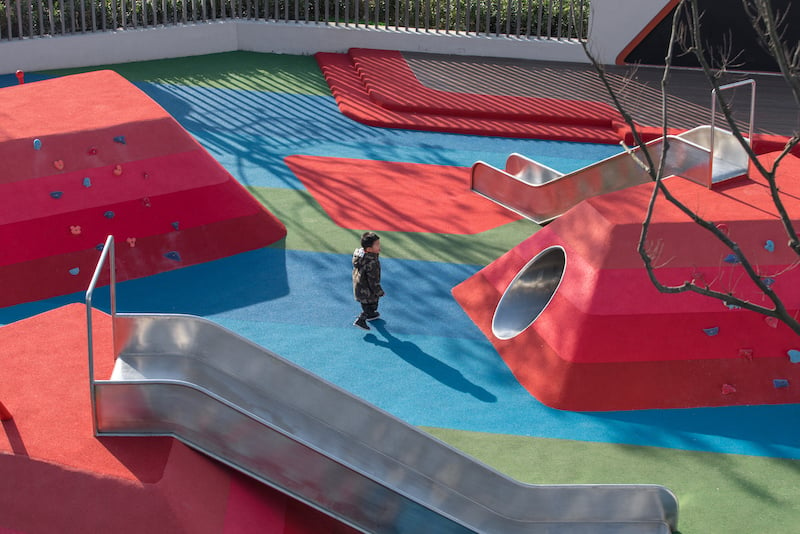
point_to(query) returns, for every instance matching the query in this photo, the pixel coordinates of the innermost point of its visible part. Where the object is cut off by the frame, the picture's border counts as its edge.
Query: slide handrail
(714, 97)
(107, 255)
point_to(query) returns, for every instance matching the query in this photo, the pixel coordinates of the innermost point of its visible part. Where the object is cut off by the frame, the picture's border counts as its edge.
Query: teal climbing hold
(713, 331)
(769, 245)
(56, 194)
(37, 144)
(173, 255)
(109, 215)
(176, 225)
(780, 383)
(74, 271)
(87, 182)
(794, 355)
(120, 139)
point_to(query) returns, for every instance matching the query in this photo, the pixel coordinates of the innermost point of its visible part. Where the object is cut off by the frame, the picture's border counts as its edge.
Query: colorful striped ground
(735, 470)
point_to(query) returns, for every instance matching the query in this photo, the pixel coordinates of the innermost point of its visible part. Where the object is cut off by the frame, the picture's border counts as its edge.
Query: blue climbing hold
(120, 139)
(794, 355)
(56, 194)
(87, 182)
(769, 246)
(733, 259)
(713, 331)
(100, 247)
(74, 271)
(109, 215)
(780, 383)
(37, 144)
(768, 281)
(172, 255)
(176, 225)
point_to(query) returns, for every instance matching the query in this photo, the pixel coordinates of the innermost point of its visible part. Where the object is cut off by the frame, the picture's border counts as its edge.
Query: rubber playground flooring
(734, 470)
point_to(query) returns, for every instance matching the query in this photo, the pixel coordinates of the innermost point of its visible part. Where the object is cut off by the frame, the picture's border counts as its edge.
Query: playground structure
(707, 155)
(131, 171)
(185, 377)
(574, 314)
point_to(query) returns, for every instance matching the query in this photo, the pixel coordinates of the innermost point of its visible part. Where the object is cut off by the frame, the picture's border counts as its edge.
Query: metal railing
(529, 19)
(106, 256)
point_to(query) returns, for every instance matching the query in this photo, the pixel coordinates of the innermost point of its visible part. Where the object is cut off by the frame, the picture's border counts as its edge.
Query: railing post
(107, 254)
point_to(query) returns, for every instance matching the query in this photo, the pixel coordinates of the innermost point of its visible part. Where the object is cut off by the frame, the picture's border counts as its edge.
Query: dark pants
(368, 309)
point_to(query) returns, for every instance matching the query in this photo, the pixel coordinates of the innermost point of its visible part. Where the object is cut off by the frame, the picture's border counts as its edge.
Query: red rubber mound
(608, 340)
(79, 166)
(58, 477)
(383, 92)
(400, 197)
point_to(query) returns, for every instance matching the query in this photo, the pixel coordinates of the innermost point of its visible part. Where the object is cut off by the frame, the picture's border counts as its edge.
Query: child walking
(367, 278)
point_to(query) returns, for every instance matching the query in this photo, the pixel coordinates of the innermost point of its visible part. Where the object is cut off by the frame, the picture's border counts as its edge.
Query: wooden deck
(688, 104)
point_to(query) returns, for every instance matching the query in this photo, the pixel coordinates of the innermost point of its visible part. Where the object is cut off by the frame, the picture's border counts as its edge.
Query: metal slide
(705, 154)
(187, 377)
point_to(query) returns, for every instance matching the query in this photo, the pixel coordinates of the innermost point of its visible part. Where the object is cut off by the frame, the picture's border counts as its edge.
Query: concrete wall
(613, 23)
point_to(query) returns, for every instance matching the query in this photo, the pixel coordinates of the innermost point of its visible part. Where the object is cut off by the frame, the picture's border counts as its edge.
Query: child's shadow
(423, 361)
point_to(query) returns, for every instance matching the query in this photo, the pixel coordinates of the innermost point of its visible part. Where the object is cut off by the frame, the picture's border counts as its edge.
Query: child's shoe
(361, 323)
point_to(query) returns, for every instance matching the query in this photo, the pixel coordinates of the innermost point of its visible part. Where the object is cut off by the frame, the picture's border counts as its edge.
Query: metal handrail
(107, 254)
(714, 96)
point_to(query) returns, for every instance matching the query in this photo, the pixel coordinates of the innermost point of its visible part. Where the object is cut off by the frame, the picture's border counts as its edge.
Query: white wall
(613, 23)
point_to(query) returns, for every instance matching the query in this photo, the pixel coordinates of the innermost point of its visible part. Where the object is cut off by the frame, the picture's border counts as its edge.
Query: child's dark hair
(368, 239)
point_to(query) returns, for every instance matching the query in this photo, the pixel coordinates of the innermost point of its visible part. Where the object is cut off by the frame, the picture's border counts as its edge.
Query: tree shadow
(423, 361)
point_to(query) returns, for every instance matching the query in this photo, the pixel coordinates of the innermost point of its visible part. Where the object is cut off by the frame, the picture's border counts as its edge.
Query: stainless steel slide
(187, 377)
(541, 194)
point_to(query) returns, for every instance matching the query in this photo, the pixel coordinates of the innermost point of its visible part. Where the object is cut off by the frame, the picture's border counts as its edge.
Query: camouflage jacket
(366, 276)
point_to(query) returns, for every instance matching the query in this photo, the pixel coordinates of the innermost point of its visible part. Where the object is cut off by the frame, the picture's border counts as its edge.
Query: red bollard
(5, 415)
(20, 77)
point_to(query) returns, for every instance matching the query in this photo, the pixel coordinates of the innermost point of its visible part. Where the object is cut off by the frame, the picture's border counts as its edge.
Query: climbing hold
(713, 331)
(131, 241)
(59, 164)
(92, 151)
(794, 355)
(732, 306)
(728, 389)
(733, 259)
(145, 176)
(109, 215)
(176, 225)
(87, 182)
(75, 230)
(100, 247)
(37, 144)
(56, 194)
(146, 202)
(768, 281)
(780, 383)
(74, 271)
(120, 139)
(722, 227)
(20, 77)
(747, 354)
(771, 321)
(117, 170)
(769, 246)
(172, 255)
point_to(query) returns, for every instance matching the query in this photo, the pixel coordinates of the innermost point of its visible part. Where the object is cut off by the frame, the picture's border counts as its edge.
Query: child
(367, 278)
